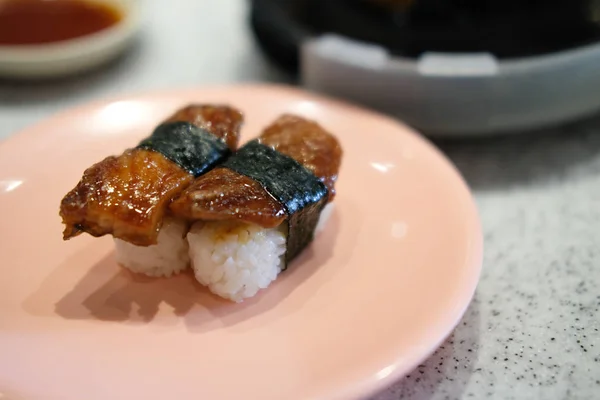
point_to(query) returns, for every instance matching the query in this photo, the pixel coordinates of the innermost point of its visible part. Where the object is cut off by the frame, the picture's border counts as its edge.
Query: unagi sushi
(254, 213)
(127, 196)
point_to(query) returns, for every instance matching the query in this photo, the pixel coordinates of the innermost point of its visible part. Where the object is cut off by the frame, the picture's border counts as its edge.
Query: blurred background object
(446, 67)
(185, 44)
(50, 38)
(409, 28)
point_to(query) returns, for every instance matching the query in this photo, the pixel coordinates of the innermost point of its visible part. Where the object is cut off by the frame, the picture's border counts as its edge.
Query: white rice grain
(235, 260)
(168, 257)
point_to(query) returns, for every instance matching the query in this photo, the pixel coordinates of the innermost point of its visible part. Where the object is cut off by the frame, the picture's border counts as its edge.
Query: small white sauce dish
(58, 59)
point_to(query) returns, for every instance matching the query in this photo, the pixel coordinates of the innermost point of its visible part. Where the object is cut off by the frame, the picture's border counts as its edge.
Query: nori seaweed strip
(301, 193)
(194, 149)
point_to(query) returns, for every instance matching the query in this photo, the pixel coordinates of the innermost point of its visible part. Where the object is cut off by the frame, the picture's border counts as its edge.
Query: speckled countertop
(532, 329)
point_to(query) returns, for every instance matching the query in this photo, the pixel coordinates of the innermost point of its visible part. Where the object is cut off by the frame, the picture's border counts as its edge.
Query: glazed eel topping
(287, 175)
(127, 196)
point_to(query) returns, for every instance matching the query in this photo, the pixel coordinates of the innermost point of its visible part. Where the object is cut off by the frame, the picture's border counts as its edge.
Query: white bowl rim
(78, 46)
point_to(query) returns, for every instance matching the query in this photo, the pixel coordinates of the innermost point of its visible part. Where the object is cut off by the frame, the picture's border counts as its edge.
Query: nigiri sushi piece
(253, 214)
(127, 196)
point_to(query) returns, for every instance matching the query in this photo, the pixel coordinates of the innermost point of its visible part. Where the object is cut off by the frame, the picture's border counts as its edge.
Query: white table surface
(532, 329)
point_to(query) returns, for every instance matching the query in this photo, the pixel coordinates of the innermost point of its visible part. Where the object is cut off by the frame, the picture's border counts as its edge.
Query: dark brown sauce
(28, 22)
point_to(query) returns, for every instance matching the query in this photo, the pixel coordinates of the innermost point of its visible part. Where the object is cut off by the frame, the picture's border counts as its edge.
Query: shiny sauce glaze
(223, 194)
(31, 22)
(127, 195)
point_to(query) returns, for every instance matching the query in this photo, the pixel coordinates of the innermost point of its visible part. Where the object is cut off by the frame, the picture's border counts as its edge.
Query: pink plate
(385, 281)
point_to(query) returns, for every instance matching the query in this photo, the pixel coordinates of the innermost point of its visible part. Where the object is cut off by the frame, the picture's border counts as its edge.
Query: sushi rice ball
(169, 256)
(236, 259)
